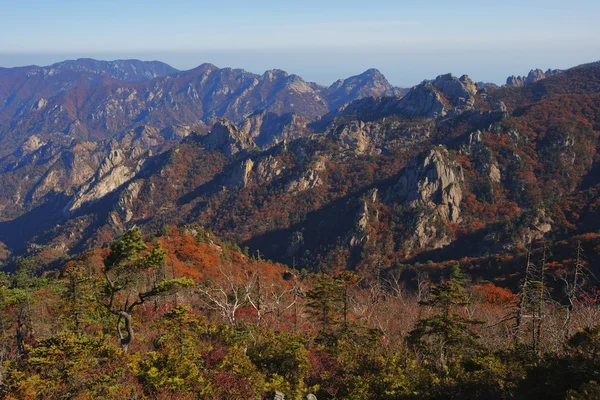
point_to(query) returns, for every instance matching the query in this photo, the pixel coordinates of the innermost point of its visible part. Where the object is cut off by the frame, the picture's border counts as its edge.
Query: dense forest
(181, 314)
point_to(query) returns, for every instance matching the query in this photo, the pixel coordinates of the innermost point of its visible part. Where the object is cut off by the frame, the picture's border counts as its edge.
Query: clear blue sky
(320, 40)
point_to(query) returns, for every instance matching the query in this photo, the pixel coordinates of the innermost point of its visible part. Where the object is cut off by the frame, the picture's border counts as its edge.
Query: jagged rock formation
(240, 176)
(485, 162)
(116, 169)
(268, 169)
(267, 129)
(360, 234)
(309, 179)
(430, 99)
(539, 227)
(370, 83)
(533, 76)
(228, 139)
(377, 137)
(94, 100)
(431, 184)
(310, 182)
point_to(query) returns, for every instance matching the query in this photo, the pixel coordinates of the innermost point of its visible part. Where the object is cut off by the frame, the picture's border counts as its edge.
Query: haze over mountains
(300, 171)
(91, 99)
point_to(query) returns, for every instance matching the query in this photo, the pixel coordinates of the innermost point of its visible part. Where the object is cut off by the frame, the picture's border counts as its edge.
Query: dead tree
(532, 298)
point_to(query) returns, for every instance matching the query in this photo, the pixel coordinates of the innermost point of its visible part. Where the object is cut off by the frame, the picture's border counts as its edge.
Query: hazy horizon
(320, 41)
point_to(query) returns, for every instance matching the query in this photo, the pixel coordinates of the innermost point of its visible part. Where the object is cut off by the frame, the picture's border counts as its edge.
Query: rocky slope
(449, 170)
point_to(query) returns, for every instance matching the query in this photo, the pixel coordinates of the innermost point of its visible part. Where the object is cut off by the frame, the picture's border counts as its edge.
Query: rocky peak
(433, 180)
(370, 83)
(274, 74)
(422, 101)
(227, 138)
(533, 76)
(294, 82)
(354, 135)
(459, 91)
(431, 185)
(310, 178)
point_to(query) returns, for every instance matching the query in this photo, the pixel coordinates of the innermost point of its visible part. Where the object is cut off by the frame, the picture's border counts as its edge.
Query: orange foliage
(494, 294)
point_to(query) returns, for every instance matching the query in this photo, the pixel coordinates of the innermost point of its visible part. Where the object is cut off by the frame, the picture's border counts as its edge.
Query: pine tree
(124, 269)
(446, 330)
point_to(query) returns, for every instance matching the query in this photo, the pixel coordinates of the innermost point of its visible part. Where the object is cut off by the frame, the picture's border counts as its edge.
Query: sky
(324, 40)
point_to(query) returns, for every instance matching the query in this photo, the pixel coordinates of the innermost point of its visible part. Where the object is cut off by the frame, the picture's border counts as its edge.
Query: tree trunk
(127, 336)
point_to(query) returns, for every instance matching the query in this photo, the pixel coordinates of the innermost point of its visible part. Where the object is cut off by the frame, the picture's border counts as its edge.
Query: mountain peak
(373, 72)
(533, 76)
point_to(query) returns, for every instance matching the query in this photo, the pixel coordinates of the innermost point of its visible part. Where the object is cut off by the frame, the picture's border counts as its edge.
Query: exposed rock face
(541, 225)
(377, 137)
(354, 135)
(240, 176)
(123, 211)
(268, 169)
(228, 139)
(422, 101)
(361, 224)
(30, 145)
(112, 174)
(267, 129)
(431, 184)
(370, 83)
(430, 99)
(309, 179)
(459, 91)
(533, 76)
(145, 137)
(485, 162)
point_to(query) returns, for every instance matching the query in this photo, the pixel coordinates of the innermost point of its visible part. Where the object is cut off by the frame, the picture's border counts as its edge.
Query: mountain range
(359, 174)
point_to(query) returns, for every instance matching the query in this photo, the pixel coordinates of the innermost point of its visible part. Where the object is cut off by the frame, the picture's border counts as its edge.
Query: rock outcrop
(533, 76)
(228, 139)
(240, 176)
(431, 186)
(460, 92)
(267, 129)
(370, 83)
(484, 160)
(360, 234)
(116, 170)
(430, 99)
(268, 169)
(309, 179)
(422, 101)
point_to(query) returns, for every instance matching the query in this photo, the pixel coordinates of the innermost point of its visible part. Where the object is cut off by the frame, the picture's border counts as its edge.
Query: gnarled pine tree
(124, 268)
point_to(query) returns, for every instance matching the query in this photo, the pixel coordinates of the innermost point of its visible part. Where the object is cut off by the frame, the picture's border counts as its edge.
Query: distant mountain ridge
(92, 99)
(125, 70)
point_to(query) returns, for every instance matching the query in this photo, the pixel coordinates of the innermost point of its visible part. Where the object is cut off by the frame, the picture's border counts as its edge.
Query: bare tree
(228, 294)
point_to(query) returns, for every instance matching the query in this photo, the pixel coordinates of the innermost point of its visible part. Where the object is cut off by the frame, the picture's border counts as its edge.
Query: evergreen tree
(446, 331)
(124, 269)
